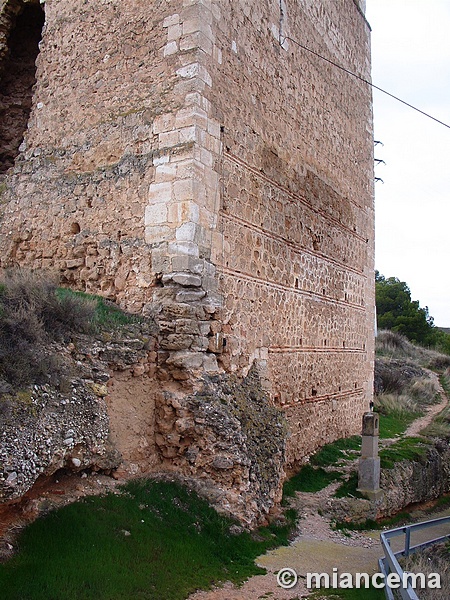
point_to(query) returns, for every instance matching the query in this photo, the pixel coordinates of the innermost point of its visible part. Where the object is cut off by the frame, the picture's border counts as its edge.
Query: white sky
(411, 59)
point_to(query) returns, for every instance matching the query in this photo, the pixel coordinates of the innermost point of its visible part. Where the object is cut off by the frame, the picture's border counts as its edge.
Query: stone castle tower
(188, 159)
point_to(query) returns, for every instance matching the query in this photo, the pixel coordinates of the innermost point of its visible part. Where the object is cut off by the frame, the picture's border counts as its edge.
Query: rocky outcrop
(409, 481)
(45, 430)
(230, 437)
(65, 423)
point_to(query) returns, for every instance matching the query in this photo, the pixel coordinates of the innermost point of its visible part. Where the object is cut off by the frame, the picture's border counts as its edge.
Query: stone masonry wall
(78, 192)
(188, 160)
(294, 242)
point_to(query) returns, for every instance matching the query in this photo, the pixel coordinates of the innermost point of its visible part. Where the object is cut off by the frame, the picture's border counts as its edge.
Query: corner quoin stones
(189, 160)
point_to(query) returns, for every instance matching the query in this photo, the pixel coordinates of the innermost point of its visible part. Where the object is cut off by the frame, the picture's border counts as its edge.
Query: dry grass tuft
(434, 559)
(32, 315)
(390, 344)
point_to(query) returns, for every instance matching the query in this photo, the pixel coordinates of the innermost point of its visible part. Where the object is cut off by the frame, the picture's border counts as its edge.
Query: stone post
(369, 463)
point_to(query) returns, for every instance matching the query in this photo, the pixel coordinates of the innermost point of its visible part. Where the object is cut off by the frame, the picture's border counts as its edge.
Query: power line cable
(361, 79)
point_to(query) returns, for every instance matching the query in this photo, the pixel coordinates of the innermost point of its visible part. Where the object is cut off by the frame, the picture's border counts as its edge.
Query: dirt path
(316, 548)
(433, 410)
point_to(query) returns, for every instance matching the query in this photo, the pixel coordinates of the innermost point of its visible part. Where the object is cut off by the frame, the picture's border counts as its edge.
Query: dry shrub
(425, 391)
(390, 341)
(32, 305)
(395, 376)
(434, 559)
(396, 404)
(32, 315)
(439, 362)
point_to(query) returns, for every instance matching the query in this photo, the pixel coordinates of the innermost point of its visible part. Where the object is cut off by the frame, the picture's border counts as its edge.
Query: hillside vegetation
(34, 314)
(397, 312)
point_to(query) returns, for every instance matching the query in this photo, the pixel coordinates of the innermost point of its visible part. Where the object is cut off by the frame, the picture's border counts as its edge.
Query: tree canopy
(397, 312)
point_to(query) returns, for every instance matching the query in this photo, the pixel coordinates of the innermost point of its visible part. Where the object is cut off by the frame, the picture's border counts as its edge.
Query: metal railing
(389, 563)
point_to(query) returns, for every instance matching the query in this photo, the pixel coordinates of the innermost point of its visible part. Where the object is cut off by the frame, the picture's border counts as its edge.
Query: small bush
(30, 305)
(398, 405)
(439, 362)
(34, 312)
(424, 391)
(390, 340)
(31, 316)
(106, 314)
(435, 559)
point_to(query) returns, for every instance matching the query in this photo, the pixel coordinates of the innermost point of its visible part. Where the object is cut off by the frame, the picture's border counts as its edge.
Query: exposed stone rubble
(112, 406)
(46, 430)
(228, 434)
(65, 423)
(416, 481)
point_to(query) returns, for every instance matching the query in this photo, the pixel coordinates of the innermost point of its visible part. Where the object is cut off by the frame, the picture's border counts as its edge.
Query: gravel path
(316, 548)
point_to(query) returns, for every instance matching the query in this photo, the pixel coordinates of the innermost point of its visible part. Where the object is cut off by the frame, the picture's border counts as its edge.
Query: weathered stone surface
(369, 475)
(190, 296)
(227, 435)
(187, 280)
(34, 441)
(416, 481)
(69, 422)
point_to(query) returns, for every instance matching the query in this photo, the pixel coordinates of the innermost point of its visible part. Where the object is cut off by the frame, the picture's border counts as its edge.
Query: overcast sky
(411, 59)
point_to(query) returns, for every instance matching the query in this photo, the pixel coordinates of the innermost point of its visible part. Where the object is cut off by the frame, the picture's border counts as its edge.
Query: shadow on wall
(24, 23)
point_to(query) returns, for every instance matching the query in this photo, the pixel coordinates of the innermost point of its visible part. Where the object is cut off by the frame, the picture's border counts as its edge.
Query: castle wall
(187, 159)
(78, 192)
(294, 242)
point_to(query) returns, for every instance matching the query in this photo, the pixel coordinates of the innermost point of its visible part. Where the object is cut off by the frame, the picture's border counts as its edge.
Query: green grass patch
(409, 448)
(336, 452)
(107, 315)
(349, 488)
(309, 479)
(371, 524)
(156, 540)
(393, 424)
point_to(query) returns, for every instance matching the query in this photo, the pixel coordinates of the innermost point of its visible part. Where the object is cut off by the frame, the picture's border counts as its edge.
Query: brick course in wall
(189, 160)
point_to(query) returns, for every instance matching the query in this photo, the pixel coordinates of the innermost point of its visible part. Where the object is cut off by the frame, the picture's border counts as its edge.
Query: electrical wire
(361, 79)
